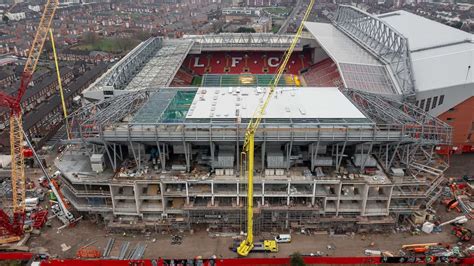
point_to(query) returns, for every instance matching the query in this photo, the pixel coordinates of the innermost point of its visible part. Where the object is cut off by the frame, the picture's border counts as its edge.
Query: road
(285, 24)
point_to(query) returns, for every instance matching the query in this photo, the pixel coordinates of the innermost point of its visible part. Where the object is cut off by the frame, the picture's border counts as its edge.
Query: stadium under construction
(157, 144)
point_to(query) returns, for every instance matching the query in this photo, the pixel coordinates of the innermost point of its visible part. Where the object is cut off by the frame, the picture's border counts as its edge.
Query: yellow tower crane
(248, 148)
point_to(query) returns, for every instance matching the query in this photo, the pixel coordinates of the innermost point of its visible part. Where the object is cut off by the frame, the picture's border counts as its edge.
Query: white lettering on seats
(273, 61)
(196, 62)
(235, 61)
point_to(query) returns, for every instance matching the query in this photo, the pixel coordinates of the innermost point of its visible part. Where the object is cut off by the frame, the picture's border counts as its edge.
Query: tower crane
(14, 226)
(248, 147)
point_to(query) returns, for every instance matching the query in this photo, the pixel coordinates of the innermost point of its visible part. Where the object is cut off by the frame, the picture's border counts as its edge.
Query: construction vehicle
(13, 227)
(462, 233)
(247, 245)
(420, 248)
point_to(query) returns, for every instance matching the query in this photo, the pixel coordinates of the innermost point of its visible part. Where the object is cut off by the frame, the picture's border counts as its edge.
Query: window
(417, 102)
(422, 104)
(441, 100)
(428, 104)
(435, 102)
(469, 136)
(452, 109)
(449, 119)
(108, 92)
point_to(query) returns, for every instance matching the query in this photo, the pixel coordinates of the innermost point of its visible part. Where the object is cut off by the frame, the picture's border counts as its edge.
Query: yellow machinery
(248, 148)
(14, 227)
(61, 92)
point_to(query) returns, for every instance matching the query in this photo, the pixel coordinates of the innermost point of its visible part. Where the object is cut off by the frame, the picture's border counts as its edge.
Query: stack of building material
(123, 250)
(108, 247)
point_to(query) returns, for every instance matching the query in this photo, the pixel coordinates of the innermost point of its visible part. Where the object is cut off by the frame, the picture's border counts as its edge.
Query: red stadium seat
(245, 62)
(182, 78)
(323, 74)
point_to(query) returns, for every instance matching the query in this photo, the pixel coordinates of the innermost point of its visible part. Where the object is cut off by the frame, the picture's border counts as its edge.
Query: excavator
(248, 244)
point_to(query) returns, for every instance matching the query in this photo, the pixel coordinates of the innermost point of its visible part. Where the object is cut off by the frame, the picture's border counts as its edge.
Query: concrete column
(187, 155)
(112, 198)
(389, 199)
(212, 155)
(187, 193)
(365, 195)
(136, 195)
(238, 194)
(163, 157)
(288, 191)
(162, 190)
(263, 192)
(212, 192)
(313, 199)
(338, 198)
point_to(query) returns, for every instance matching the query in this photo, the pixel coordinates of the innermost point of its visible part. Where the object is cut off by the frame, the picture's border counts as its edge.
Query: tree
(296, 259)
(244, 29)
(141, 35)
(5, 19)
(90, 37)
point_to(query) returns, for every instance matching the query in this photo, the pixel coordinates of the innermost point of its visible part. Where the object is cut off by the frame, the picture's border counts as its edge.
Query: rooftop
(287, 102)
(438, 62)
(423, 33)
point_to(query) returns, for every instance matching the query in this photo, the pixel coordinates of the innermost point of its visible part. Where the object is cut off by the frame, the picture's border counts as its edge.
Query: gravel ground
(200, 244)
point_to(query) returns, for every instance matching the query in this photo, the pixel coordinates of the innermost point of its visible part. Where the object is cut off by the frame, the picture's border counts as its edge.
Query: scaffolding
(333, 174)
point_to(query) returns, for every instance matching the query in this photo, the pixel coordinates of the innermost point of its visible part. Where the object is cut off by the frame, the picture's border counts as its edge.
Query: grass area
(279, 11)
(109, 45)
(275, 28)
(197, 81)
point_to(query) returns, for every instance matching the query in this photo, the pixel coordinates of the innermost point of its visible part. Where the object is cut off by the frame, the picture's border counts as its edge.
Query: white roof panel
(422, 32)
(339, 47)
(443, 67)
(303, 102)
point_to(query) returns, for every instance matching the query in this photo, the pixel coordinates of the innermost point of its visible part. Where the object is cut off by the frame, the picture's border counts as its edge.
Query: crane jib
(269, 245)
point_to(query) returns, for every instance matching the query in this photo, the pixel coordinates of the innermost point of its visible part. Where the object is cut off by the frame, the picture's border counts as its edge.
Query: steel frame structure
(249, 41)
(382, 40)
(394, 122)
(152, 63)
(397, 133)
(122, 72)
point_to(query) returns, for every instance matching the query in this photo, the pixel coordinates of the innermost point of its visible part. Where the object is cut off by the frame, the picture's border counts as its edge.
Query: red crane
(12, 229)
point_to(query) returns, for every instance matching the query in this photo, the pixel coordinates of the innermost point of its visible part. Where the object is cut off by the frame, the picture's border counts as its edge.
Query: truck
(270, 246)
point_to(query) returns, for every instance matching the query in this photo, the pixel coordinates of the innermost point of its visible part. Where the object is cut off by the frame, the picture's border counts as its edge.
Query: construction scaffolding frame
(397, 134)
(267, 41)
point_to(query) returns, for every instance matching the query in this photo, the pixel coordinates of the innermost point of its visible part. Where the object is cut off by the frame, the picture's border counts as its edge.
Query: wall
(461, 118)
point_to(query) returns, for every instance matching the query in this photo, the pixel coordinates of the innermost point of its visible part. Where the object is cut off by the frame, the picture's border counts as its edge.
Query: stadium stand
(182, 78)
(323, 74)
(245, 62)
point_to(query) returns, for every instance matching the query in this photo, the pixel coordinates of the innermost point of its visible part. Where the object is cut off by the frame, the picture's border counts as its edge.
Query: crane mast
(249, 142)
(16, 131)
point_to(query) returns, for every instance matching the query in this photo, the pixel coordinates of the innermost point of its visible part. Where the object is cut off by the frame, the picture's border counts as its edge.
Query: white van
(283, 238)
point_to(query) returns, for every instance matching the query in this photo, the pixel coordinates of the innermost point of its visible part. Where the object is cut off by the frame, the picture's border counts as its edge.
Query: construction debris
(88, 253)
(176, 240)
(65, 247)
